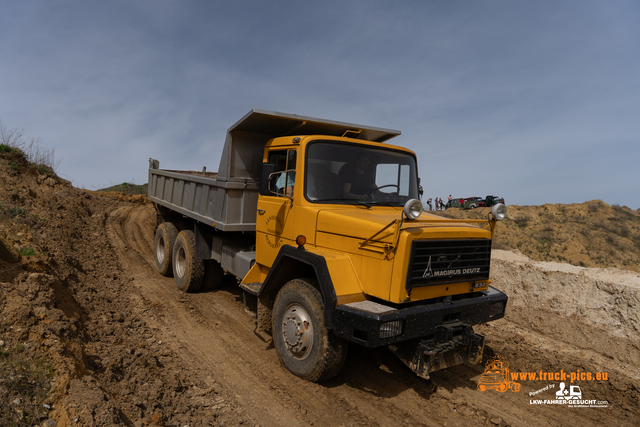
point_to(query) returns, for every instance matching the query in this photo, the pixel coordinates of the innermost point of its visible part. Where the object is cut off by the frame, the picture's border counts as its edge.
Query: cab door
(274, 221)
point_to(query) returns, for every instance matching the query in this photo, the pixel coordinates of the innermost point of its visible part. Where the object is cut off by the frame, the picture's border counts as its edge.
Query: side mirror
(265, 173)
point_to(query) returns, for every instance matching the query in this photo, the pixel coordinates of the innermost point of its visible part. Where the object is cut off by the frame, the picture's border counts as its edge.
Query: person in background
(449, 200)
(429, 203)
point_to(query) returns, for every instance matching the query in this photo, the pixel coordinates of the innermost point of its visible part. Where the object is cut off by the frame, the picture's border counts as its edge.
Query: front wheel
(305, 347)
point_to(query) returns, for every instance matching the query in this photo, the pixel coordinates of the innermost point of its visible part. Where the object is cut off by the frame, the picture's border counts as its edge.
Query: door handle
(261, 211)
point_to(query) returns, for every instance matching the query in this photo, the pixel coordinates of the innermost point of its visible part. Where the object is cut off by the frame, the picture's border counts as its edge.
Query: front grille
(435, 262)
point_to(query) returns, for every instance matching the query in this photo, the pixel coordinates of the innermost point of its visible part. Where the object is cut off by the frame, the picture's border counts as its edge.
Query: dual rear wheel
(188, 271)
(164, 242)
(175, 255)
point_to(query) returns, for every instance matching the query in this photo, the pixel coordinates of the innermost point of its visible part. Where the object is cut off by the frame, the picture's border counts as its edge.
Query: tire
(213, 275)
(473, 206)
(164, 242)
(188, 271)
(312, 353)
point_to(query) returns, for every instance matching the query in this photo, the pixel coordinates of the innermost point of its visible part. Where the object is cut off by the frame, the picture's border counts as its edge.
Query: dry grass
(26, 151)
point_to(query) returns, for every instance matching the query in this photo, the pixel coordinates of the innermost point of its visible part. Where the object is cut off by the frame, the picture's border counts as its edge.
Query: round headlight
(413, 208)
(499, 211)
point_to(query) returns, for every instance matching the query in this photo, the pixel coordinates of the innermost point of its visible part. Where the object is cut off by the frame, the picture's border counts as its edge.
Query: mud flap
(451, 345)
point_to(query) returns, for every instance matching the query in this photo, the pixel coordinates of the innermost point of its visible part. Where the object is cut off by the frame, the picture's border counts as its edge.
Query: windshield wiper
(353, 202)
(368, 204)
(386, 203)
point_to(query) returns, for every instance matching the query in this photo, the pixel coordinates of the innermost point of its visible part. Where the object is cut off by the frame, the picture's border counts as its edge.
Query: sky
(534, 101)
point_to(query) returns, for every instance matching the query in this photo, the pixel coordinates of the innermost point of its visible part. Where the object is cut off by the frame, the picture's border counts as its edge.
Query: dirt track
(216, 341)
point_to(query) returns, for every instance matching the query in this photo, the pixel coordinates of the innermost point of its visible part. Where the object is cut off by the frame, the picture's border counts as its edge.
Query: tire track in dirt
(216, 338)
(228, 350)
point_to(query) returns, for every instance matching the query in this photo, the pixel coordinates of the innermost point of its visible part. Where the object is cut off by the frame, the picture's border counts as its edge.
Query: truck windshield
(358, 174)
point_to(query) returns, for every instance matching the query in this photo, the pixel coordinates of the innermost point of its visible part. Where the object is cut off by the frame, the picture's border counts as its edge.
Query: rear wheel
(188, 271)
(305, 347)
(164, 241)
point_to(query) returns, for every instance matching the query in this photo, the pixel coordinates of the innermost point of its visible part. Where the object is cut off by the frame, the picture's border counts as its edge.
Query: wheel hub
(181, 262)
(160, 250)
(297, 331)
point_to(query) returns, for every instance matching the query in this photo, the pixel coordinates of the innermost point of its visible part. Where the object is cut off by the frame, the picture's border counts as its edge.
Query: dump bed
(225, 205)
(227, 200)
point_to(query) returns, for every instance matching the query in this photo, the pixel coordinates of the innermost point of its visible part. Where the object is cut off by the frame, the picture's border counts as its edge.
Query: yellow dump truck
(320, 222)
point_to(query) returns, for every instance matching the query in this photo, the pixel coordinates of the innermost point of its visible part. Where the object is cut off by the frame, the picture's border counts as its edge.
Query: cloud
(492, 97)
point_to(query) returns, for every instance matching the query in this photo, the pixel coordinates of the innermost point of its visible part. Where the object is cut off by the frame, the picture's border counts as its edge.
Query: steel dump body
(227, 200)
(225, 205)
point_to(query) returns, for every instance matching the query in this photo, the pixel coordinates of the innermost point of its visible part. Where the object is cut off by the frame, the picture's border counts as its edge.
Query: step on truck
(320, 222)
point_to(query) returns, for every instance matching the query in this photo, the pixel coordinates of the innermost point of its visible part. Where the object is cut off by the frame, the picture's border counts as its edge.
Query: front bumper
(363, 322)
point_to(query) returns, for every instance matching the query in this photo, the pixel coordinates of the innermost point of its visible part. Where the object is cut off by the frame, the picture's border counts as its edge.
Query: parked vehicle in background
(469, 202)
(472, 202)
(490, 201)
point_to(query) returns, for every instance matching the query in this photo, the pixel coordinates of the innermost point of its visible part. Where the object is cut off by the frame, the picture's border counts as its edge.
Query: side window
(279, 158)
(283, 180)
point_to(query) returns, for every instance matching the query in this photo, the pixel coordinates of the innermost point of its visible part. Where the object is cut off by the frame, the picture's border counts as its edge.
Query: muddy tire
(188, 271)
(305, 347)
(213, 275)
(164, 242)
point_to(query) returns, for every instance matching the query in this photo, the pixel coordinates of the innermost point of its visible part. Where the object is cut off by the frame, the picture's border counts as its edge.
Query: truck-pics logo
(496, 377)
